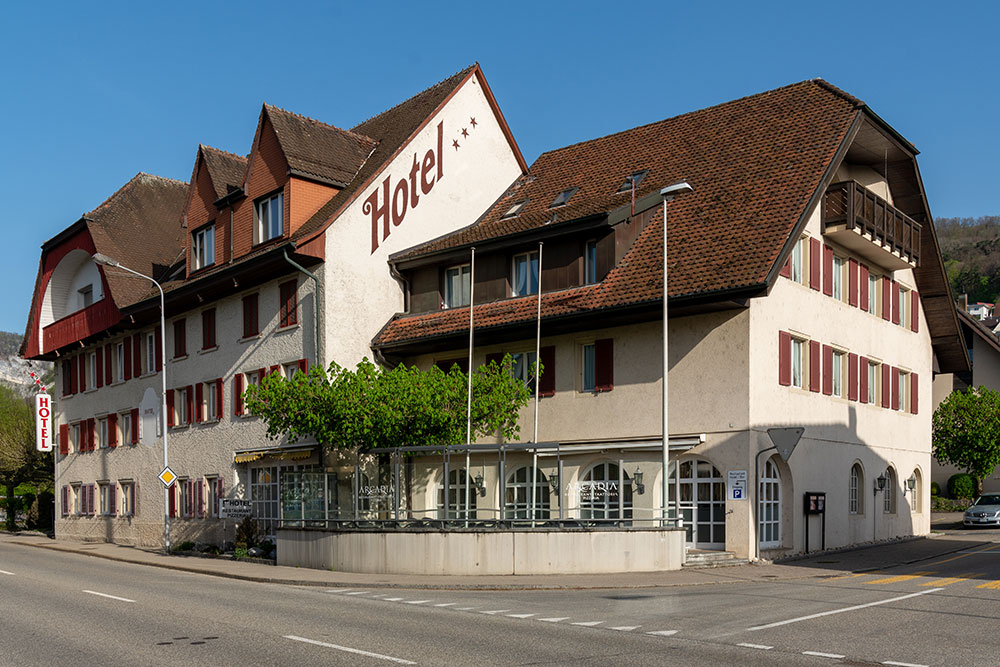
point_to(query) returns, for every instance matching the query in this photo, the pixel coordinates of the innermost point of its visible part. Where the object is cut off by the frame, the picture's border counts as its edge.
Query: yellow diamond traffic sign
(167, 477)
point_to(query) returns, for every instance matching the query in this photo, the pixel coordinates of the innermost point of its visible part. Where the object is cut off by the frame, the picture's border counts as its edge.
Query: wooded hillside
(971, 251)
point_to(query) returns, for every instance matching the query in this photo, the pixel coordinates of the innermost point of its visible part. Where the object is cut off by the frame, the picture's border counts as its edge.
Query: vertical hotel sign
(43, 422)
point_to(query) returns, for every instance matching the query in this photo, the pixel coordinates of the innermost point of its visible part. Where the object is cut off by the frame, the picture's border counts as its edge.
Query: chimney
(963, 302)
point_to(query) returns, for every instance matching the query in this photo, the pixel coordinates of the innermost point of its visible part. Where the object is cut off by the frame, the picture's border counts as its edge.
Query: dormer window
(85, 296)
(514, 210)
(270, 218)
(525, 272)
(563, 197)
(633, 180)
(457, 286)
(203, 247)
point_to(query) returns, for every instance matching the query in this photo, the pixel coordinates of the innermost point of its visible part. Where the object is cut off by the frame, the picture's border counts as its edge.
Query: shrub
(40, 513)
(184, 546)
(939, 504)
(247, 532)
(961, 485)
(935, 489)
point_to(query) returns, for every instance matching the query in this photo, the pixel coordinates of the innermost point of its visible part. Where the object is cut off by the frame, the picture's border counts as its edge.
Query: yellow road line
(851, 576)
(899, 578)
(947, 581)
(990, 584)
(965, 555)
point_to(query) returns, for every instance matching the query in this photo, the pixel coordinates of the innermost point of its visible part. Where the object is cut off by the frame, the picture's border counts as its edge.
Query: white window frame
(212, 502)
(150, 352)
(526, 259)
(253, 377)
(904, 306)
(181, 399)
(904, 390)
(889, 493)
(104, 491)
(203, 247)
(102, 433)
(855, 493)
(120, 362)
(799, 256)
(839, 366)
(184, 510)
(76, 430)
(464, 297)
(85, 297)
(874, 294)
(125, 426)
(873, 381)
(521, 368)
(588, 367)
(590, 262)
(92, 371)
(211, 401)
(127, 497)
(799, 362)
(76, 490)
(274, 225)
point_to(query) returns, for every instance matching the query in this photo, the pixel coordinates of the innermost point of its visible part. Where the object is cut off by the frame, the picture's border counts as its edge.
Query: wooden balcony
(857, 218)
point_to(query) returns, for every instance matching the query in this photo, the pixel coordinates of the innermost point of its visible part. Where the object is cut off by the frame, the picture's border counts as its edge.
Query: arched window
(889, 493)
(769, 509)
(606, 493)
(856, 496)
(915, 493)
(458, 481)
(517, 501)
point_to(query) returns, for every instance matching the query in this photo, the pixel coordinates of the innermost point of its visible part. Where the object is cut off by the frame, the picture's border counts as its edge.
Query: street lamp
(104, 260)
(668, 193)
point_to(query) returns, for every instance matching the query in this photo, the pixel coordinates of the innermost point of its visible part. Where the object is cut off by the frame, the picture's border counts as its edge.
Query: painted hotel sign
(396, 196)
(43, 422)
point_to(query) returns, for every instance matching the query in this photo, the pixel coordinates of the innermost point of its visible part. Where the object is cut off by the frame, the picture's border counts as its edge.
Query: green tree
(372, 407)
(967, 432)
(19, 460)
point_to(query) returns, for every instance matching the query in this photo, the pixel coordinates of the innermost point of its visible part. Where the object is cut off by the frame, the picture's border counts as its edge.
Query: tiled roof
(318, 149)
(390, 129)
(754, 163)
(227, 170)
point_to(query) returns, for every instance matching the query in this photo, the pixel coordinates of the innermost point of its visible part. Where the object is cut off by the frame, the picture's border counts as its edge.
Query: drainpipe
(318, 314)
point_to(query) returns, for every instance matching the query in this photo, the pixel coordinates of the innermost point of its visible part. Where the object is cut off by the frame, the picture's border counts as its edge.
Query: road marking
(555, 620)
(446, 604)
(851, 576)
(357, 593)
(495, 611)
(348, 649)
(948, 581)
(5, 572)
(762, 647)
(113, 597)
(964, 554)
(392, 599)
(337, 590)
(626, 628)
(663, 633)
(902, 577)
(841, 611)
(417, 601)
(588, 624)
(835, 656)
(902, 664)
(990, 584)
(521, 615)
(463, 608)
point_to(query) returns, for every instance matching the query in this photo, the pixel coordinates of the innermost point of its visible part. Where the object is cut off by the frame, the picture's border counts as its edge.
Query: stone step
(698, 558)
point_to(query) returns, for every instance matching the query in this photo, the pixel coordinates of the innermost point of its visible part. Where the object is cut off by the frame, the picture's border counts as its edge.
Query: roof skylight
(514, 210)
(563, 197)
(634, 179)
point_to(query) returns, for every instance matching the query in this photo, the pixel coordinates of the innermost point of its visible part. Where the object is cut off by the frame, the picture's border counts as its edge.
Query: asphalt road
(62, 609)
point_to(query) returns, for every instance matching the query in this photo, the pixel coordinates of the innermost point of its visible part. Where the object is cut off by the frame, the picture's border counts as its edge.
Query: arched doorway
(606, 493)
(517, 504)
(769, 506)
(702, 503)
(458, 481)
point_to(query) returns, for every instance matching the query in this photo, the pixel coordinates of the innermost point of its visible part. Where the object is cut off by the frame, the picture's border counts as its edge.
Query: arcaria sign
(43, 422)
(397, 199)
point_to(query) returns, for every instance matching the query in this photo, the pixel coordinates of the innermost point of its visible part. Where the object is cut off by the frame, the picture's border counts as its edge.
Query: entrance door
(769, 510)
(703, 503)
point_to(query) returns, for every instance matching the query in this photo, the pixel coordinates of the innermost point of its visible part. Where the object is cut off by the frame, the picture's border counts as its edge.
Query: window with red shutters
(886, 383)
(852, 282)
(863, 286)
(200, 498)
(172, 500)
(547, 382)
(170, 407)
(894, 376)
(894, 292)
(64, 439)
(100, 367)
(914, 395)
(189, 391)
(786, 268)
(135, 426)
(827, 370)
(914, 311)
(237, 394)
(784, 358)
(250, 325)
(863, 379)
(218, 399)
(814, 361)
(180, 338)
(81, 373)
(199, 401)
(90, 433)
(128, 360)
(113, 430)
(137, 355)
(64, 504)
(604, 364)
(852, 377)
(288, 295)
(303, 365)
(886, 298)
(827, 270)
(208, 329)
(814, 264)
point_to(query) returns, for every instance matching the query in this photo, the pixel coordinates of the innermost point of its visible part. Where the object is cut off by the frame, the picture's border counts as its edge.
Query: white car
(984, 512)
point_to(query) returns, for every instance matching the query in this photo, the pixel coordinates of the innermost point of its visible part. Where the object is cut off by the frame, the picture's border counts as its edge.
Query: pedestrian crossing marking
(995, 585)
(901, 577)
(947, 581)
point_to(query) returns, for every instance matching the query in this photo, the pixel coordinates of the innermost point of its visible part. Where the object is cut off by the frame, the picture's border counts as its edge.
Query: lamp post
(668, 193)
(104, 260)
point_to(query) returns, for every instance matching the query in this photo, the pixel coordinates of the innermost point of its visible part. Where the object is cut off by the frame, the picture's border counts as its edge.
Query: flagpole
(538, 348)
(468, 404)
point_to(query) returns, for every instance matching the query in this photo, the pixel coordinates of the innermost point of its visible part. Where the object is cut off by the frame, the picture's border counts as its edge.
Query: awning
(250, 456)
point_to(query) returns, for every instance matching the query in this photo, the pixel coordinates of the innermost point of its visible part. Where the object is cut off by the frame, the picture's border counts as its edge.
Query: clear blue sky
(95, 92)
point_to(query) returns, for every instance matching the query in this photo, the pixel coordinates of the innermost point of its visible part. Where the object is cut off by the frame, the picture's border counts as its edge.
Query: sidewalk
(877, 557)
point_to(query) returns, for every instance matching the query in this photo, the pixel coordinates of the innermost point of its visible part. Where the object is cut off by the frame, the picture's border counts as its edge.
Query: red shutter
(894, 375)
(64, 439)
(303, 365)
(189, 498)
(914, 394)
(786, 268)
(886, 298)
(814, 374)
(852, 377)
(112, 499)
(250, 327)
(208, 329)
(73, 377)
(852, 282)
(604, 364)
(784, 358)
(137, 355)
(885, 385)
(863, 379)
(90, 434)
(218, 399)
(272, 370)
(170, 407)
(895, 302)
(82, 371)
(135, 426)
(90, 498)
(135, 498)
(65, 500)
(158, 349)
(814, 260)
(113, 430)
(128, 359)
(219, 494)
(238, 394)
(863, 286)
(108, 375)
(547, 382)
(200, 492)
(827, 370)
(172, 505)
(827, 270)
(100, 367)
(494, 357)
(190, 404)
(199, 400)
(914, 311)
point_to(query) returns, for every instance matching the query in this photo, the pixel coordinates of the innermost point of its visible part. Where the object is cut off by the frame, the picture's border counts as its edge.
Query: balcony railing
(850, 207)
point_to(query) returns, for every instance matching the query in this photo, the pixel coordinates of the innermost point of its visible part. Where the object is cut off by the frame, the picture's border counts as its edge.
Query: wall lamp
(480, 485)
(554, 484)
(880, 483)
(911, 483)
(640, 488)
